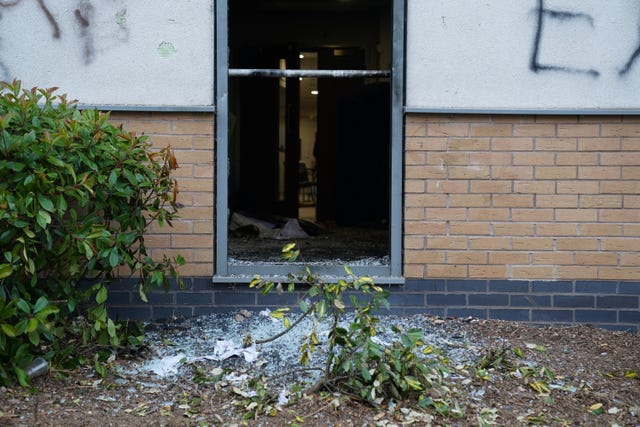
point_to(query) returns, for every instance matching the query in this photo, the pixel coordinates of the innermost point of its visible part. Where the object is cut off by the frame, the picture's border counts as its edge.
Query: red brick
(556, 144)
(571, 272)
(512, 172)
(576, 244)
(491, 186)
(578, 187)
(508, 257)
(557, 230)
(457, 186)
(426, 200)
(469, 172)
(512, 144)
(447, 271)
(580, 130)
(620, 187)
(447, 242)
(577, 158)
(487, 271)
(596, 258)
(601, 201)
(469, 200)
(467, 257)
(554, 201)
(599, 144)
(535, 158)
(599, 172)
(556, 172)
(488, 214)
(492, 243)
(470, 228)
(534, 187)
(512, 200)
(627, 159)
(621, 130)
(468, 144)
(552, 258)
(513, 229)
(504, 129)
(532, 243)
(531, 215)
(618, 273)
(447, 129)
(576, 215)
(600, 230)
(535, 130)
(446, 214)
(532, 272)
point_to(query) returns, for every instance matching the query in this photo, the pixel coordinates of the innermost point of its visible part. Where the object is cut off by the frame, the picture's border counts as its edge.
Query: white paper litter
(223, 350)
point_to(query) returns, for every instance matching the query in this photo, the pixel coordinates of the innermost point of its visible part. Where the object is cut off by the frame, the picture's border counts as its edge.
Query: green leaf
(43, 219)
(288, 247)
(8, 330)
(5, 270)
(22, 376)
(111, 328)
(34, 337)
(24, 306)
(143, 295)
(48, 310)
(55, 161)
(114, 257)
(101, 296)
(45, 203)
(40, 304)
(32, 325)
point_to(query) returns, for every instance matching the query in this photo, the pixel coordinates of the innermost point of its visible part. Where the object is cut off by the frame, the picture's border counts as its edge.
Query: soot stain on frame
(542, 13)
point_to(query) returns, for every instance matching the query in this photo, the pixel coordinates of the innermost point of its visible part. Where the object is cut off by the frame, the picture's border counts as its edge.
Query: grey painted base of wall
(607, 304)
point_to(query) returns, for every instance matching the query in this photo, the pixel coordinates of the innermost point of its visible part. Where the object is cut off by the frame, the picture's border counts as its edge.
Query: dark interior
(315, 150)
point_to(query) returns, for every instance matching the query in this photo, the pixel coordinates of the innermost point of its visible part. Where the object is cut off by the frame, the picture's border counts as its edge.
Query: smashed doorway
(309, 132)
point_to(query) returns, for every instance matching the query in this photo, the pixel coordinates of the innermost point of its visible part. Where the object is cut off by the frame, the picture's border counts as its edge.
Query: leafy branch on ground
(357, 364)
(77, 194)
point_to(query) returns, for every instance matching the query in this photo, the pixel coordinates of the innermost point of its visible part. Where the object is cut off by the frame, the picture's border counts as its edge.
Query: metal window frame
(223, 271)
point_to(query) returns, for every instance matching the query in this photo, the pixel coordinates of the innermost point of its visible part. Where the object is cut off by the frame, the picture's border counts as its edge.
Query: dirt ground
(553, 376)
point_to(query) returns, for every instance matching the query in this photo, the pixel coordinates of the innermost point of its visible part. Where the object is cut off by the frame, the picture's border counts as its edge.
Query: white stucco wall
(130, 52)
(523, 54)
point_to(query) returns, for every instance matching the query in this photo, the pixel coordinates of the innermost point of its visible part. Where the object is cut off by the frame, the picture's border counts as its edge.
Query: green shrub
(76, 196)
(357, 364)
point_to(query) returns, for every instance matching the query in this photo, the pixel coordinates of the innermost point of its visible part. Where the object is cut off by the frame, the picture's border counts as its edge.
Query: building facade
(494, 150)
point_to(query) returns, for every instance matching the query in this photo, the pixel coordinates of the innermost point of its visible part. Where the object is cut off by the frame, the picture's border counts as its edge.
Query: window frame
(225, 272)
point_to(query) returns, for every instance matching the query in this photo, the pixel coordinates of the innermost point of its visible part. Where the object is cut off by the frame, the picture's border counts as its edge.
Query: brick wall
(191, 137)
(527, 218)
(522, 197)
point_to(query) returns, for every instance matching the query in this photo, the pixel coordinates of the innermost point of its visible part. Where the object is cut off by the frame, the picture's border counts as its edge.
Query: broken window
(305, 120)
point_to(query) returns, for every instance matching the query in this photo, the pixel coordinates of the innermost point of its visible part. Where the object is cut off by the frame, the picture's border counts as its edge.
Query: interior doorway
(309, 130)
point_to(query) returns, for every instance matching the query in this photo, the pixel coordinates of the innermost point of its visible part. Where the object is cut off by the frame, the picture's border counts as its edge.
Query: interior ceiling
(309, 5)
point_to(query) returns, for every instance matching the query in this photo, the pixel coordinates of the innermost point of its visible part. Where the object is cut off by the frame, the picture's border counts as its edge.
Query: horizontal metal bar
(263, 72)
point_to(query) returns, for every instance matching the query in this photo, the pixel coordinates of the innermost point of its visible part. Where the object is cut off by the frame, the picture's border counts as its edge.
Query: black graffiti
(630, 62)
(51, 19)
(45, 10)
(542, 14)
(84, 16)
(632, 59)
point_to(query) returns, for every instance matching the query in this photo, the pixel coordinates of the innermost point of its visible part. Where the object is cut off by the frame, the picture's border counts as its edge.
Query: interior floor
(352, 245)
